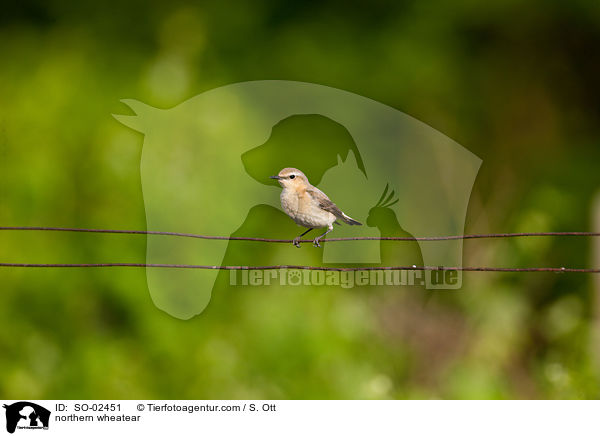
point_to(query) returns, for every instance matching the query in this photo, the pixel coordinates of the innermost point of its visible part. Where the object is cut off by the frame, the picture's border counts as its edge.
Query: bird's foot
(316, 242)
(296, 242)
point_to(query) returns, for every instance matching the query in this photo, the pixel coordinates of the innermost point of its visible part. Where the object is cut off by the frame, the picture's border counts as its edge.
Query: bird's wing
(324, 202)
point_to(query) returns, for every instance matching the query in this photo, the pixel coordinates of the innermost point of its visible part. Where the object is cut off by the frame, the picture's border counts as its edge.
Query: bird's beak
(275, 177)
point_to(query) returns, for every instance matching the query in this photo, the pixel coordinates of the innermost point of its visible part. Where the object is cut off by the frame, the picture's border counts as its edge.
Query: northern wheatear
(307, 205)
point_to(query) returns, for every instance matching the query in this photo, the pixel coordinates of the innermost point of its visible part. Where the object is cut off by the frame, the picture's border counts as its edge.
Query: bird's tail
(349, 220)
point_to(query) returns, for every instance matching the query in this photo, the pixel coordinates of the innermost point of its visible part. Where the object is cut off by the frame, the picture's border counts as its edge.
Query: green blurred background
(514, 82)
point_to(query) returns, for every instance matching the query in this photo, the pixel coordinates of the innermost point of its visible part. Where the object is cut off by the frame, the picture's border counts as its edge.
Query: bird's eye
(292, 176)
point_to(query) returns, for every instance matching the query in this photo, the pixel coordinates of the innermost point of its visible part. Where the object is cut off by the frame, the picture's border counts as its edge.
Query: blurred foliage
(515, 82)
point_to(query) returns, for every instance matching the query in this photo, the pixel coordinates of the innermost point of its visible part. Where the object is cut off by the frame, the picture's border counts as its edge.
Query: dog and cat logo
(248, 131)
(26, 415)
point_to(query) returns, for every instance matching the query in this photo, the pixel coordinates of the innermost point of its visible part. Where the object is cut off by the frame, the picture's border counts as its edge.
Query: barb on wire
(358, 238)
(300, 267)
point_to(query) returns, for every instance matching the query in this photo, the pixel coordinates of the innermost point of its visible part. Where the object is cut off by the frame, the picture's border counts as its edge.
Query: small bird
(307, 205)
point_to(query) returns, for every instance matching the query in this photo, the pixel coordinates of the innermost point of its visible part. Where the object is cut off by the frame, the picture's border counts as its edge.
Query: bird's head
(291, 178)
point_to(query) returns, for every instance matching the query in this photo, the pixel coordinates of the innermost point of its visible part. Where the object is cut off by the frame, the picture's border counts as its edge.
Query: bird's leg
(297, 238)
(318, 238)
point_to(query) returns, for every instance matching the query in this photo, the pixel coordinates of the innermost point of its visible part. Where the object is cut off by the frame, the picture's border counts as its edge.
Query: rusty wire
(301, 267)
(358, 238)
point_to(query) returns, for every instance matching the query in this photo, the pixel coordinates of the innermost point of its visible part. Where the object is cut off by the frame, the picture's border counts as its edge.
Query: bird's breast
(289, 202)
(304, 210)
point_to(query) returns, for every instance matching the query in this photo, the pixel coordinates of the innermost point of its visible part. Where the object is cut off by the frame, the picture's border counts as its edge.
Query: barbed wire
(301, 267)
(357, 238)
